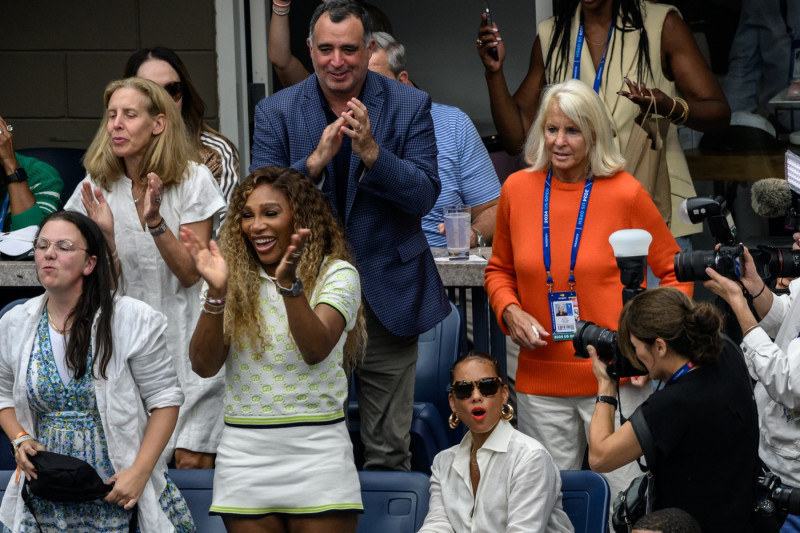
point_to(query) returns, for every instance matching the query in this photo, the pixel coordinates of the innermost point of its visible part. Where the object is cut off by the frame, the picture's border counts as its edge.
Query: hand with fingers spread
(152, 200)
(641, 95)
(98, 210)
(286, 272)
(489, 38)
(208, 260)
(360, 132)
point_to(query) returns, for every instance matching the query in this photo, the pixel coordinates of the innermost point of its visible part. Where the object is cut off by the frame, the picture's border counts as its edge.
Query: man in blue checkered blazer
(369, 143)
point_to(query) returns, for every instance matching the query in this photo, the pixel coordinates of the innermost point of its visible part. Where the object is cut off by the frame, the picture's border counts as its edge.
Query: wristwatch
(19, 440)
(481, 242)
(17, 176)
(295, 290)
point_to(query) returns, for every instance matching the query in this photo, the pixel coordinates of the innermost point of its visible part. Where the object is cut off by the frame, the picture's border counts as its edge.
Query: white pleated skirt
(297, 470)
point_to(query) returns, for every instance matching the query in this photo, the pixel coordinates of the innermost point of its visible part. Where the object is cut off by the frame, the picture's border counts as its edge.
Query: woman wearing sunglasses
(163, 66)
(144, 185)
(497, 479)
(86, 374)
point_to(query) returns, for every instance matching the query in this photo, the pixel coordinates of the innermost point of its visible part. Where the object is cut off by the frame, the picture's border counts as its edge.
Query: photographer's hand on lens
(605, 385)
(523, 328)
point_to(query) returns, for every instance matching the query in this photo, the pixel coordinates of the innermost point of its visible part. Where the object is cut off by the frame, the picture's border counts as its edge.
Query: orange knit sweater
(516, 274)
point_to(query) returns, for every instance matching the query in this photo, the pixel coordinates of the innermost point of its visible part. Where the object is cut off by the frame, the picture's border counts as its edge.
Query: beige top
(621, 62)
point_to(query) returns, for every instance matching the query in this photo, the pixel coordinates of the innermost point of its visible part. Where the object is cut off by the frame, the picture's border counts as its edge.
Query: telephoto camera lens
(787, 498)
(604, 341)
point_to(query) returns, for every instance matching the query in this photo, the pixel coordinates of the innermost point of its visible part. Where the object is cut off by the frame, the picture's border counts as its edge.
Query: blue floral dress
(69, 423)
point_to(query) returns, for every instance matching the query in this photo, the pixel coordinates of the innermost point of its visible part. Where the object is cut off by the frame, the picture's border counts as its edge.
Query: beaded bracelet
(214, 301)
(685, 115)
(215, 312)
(280, 11)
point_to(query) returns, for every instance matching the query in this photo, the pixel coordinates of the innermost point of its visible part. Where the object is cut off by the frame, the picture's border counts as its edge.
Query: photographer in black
(699, 433)
(774, 364)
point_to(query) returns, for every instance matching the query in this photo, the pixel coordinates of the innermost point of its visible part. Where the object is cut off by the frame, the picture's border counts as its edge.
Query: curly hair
(691, 329)
(168, 154)
(310, 209)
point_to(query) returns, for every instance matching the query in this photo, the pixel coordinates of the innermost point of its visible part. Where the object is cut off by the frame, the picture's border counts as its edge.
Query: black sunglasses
(486, 386)
(175, 90)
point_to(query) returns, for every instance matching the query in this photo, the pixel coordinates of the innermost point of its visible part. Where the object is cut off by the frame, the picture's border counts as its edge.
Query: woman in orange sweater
(560, 212)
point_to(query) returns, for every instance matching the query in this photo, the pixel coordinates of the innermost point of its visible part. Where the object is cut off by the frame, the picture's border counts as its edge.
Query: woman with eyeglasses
(497, 479)
(163, 66)
(143, 185)
(86, 373)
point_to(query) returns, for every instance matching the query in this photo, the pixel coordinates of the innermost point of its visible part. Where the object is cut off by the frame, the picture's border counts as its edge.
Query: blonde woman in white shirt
(496, 479)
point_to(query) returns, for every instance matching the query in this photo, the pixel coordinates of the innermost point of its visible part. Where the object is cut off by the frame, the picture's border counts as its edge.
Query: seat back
(394, 501)
(68, 163)
(585, 497)
(437, 351)
(196, 487)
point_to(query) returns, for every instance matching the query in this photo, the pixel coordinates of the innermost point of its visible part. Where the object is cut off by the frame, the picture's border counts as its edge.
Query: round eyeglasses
(41, 244)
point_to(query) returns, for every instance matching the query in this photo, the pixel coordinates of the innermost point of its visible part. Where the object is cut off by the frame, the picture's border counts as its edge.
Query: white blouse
(519, 490)
(146, 277)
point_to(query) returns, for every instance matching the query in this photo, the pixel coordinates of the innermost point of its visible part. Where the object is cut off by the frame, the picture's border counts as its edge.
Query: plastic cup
(457, 228)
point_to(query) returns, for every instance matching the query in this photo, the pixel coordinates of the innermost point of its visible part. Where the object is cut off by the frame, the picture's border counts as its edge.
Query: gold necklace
(53, 324)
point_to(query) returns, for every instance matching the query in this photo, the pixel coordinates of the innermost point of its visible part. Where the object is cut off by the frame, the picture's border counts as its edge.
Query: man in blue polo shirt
(465, 169)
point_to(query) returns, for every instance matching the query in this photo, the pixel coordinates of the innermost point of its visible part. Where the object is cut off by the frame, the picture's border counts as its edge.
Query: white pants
(561, 424)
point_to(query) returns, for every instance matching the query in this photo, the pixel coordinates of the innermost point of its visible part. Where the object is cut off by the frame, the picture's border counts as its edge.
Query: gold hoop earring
(453, 420)
(507, 412)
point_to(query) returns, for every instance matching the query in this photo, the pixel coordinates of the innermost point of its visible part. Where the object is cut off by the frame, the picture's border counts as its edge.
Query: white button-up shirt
(141, 377)
(519, 490)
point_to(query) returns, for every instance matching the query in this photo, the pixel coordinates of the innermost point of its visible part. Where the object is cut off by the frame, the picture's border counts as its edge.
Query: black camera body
(774, 501)
(604, 341)
(727, 260)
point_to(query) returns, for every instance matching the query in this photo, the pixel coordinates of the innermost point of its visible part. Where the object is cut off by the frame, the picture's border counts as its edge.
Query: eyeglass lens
(42, 244)
(486, 386)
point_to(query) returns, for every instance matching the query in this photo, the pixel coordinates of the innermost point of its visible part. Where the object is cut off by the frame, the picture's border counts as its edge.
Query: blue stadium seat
(586, 499)
(10, 305)
(195, 485)
(438, 350)
(394, 502)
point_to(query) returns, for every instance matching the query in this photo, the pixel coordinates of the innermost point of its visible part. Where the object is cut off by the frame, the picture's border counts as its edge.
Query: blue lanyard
(576, 64)
(3, 211)
(681, 371)
(576, 240)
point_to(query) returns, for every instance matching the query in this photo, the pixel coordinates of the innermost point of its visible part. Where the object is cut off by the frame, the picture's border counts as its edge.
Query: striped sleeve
(228, 176)
(45, 184)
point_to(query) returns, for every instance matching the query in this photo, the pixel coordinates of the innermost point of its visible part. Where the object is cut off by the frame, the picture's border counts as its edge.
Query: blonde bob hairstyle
(583, 107)
(168, 153)
(243, 321)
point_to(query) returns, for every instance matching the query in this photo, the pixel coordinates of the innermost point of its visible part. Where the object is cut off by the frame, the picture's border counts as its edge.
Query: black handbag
(633, 503)
(65, 479)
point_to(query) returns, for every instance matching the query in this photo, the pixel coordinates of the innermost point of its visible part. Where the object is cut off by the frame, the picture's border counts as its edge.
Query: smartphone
(492, 50)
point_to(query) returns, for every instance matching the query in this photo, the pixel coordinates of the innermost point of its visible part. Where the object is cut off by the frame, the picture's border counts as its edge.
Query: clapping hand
(152, 200)
(286, 272)
(98, 209)
(208, 260)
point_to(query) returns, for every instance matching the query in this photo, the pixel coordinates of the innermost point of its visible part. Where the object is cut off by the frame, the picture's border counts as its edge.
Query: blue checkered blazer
(385, 204)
